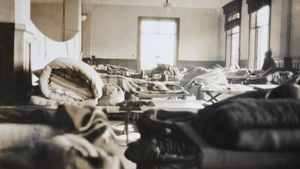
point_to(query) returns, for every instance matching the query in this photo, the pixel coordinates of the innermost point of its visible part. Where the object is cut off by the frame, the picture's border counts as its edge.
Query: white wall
(7, 11)
(114, 31)
(244, 32)
(279, 28)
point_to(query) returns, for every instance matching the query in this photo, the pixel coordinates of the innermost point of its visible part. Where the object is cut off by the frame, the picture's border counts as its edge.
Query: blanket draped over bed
(66, 138)
(70, 81)
(196, 77)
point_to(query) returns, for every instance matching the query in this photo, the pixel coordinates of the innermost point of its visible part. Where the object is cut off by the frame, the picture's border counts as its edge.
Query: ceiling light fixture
(167, 6)
(83, 13)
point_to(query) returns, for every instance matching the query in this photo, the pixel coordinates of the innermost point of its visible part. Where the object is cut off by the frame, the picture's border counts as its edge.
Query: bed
(73, 82)
(197, 77)
(200, 81)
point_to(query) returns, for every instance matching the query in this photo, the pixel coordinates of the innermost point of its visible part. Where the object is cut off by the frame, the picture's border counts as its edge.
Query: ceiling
(175, 3)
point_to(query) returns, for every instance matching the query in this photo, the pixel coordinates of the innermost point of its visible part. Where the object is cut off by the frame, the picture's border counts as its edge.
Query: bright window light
(158, 43)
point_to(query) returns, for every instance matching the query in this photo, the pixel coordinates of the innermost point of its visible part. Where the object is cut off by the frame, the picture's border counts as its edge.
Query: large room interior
(149, 84)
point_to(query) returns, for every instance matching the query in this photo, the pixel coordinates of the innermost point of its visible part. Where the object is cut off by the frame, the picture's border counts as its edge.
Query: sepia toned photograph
(149, 84)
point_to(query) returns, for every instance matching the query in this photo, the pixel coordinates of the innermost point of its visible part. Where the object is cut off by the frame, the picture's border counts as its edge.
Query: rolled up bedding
(69, 80)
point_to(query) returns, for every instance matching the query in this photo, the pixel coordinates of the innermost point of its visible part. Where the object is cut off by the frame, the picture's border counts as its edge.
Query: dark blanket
(227, 124)
(162, 144)
(66, 138)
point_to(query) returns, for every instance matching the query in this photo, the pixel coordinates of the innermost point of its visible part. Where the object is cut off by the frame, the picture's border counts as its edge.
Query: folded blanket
(268, 140)
(73, 86)
(221, 123)
(83, 92)
(74, 72)
(78, 93)
(72, 76)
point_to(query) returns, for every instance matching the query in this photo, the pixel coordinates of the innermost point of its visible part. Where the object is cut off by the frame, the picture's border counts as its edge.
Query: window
(259, 33)
(232, 28)
(234, 37)
(158, 42)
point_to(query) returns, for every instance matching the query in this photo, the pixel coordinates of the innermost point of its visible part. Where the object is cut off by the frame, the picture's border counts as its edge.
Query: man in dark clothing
(268, 61)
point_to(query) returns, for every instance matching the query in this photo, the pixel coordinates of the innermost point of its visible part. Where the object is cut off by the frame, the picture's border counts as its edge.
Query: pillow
(112, 95)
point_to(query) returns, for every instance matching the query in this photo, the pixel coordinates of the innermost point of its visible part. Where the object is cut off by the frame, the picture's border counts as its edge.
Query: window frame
(232, 13)
(255, 55)
(232, 38)
(176, 20)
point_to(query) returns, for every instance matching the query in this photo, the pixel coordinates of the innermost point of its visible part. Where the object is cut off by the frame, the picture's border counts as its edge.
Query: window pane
(262, 46)
(236, 29)
(149, 26)
(157, 43)
(167, 27)
(263, 16)
(149, 51)
(166, 49)
(235, 46)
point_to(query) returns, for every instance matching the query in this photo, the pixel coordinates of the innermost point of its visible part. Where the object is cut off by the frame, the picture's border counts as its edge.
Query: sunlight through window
(259, 35)
(157, 43)
(235, 46)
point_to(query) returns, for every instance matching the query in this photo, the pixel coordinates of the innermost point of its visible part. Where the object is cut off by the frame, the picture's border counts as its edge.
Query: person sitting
(268, 61)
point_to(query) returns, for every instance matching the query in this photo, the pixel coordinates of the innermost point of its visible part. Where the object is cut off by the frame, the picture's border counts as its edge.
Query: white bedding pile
(69, 81)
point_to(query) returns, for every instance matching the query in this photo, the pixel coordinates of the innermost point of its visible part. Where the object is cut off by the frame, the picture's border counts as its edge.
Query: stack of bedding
(251, 124)
(72, 82)
(68, 81)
